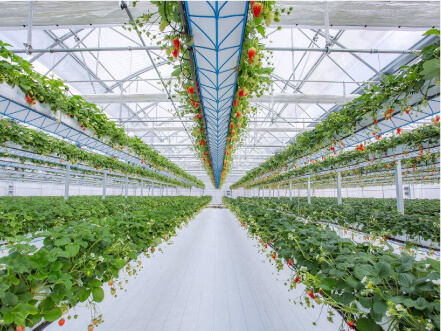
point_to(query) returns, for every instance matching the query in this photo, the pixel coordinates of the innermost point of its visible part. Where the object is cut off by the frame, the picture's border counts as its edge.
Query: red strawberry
(200, 130)
(61, 322)
(257, 8)
(196, 104)
(228, 139)
(320, 292)
(243, 92)
(236, 102)
(233, 132)
(351, 323)
(391, 110)
(310, 294)
(290, 263)
(205, 153)
(176, 42)
(399, 130)
(238, 114)
(198, 116)
(190, 90)
(375, 121)
(251, 53)
(274, 256)
(297, 279)
(21, 328)
(231, 125)
(230, 147)
(28, 98)
(175, 52)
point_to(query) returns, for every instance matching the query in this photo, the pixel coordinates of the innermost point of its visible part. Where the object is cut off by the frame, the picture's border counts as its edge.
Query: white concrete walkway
(212, 278)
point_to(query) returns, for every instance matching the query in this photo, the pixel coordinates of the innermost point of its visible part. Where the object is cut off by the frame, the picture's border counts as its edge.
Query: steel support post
(153, 189)
(399, 187)
(142, 186)
(66, 182)
(278, 191)
(126, 189)
(309, 191)
(339, 198)
(290, 191)
(104, 184)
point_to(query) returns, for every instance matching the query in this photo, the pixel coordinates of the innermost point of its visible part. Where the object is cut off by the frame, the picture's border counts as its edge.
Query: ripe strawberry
(196, 105)
(198, 116)
(21, 328)
(200, 130)
(190, 90)
(233, 132)
(290, 263)
(205, 153)
(28, 98)
(175, 53)
(90, 327)
(243, 92)
(176, 42)
(230, 147)
(399, 130)
(257, 8)
(251, 53)
(61, 322)
(231, 125)
(320, 291)
(375, 121)
(310, 294)
(228, 139)
(390, 110)
(351, 323)
(236, 102)
(274, 256)
(238, 114)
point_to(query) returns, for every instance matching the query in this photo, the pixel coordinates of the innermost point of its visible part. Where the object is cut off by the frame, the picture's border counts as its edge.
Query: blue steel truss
(11, 106)
(218, 29)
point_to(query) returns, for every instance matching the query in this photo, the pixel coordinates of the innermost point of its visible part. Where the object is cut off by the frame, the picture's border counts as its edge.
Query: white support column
(142, 186)
(189, 194)
(399, 187)
(166, 190)
(126, 189)
(290, 191)
(278, 191)
(339, 198)
(309, 191)
(153, 189)
(66, 182)
(104, 184)
(231, 193)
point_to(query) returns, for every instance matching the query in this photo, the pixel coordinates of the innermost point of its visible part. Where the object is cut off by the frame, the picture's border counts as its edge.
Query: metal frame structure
(275, 124)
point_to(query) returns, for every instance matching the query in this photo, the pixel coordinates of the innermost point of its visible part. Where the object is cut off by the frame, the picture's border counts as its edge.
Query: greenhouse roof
(130, 83)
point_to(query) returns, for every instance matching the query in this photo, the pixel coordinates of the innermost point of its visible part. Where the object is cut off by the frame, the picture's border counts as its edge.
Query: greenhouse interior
(219, 165)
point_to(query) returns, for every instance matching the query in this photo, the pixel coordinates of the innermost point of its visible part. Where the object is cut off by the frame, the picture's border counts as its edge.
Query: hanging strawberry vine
(253, 75)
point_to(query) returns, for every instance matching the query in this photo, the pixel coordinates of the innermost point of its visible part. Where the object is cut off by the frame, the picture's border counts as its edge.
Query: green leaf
(261, 30)
(436, 32)
(365, 302)
(52, 314)
(62, 241)
(431, 68)
(434, 263)
(98, 294)
(406, 279)
(94, 283)
(379, 306)
(176, 73)
(71, 251)
(84, 294)
(383, 269)
(367, 324)
(10, 299)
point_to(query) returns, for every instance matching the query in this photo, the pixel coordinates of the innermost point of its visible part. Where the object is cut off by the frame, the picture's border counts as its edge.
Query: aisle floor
(212, 277)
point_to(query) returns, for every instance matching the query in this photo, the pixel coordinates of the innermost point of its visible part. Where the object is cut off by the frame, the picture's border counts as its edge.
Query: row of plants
(373, 288)
(79, 256)
(253, 78)
(418, 139)
(378, 218)
(40, 143)
(423, 168)
(393, 94)
(15, 71)
(27, 215)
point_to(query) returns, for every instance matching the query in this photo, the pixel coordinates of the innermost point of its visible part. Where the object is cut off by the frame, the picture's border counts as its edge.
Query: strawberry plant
(370, 286)
(77, 257)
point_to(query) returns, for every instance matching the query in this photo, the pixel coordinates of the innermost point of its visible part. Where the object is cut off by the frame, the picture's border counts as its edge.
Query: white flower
(101, 259)
(427, 266)
(303, 268)
(399, 308)
(364, 280)
(429, 326)
(2, 321)
(92, 255)
(387, 314)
